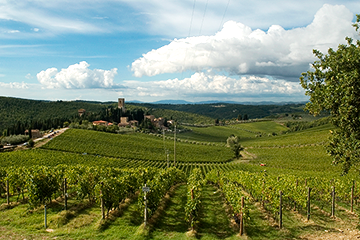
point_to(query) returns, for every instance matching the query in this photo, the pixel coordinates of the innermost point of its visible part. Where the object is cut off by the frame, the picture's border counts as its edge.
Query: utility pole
(164, 141)
(175, 146)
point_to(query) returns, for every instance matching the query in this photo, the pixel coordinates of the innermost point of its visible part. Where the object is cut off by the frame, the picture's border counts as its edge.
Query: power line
(221, 23)
(222, 20)
(191, 20)
(201, 26)
(192, 16)
(202, 22)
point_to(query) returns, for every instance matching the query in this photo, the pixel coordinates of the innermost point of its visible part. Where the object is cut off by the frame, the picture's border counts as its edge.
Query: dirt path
(46, 138)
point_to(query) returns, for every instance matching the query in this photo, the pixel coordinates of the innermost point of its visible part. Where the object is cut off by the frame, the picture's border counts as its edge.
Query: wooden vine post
(262, 199)
(7, 192)
(191, 217)
(296, 185)
(145, 189)
(333, 202)
(45, 217)
(242, 216)
(65, 194)
(352, 196)
(102, 201)
(308, 204)
(280, 210)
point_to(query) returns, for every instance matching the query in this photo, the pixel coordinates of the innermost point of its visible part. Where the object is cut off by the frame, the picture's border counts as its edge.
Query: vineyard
(96, 185)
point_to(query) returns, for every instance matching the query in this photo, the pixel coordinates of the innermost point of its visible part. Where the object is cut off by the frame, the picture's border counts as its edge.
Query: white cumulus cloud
(77, 76)
(240, 50)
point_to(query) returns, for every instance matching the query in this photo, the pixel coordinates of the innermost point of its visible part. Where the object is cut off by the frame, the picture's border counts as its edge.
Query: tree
(233, 142)
(30, 133)
(31, 143)
(334, 85)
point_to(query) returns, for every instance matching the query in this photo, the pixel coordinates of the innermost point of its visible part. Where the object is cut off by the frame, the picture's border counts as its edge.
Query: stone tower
(121, 104)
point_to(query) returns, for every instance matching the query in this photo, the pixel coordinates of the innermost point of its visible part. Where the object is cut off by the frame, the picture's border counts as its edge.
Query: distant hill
(14, 110)
(216, 101)
(17, 110)
(228, 110)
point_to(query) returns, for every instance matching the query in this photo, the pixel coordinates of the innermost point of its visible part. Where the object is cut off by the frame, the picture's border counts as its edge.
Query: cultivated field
(197, 199)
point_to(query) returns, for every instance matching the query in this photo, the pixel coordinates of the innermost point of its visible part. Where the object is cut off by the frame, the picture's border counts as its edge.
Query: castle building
(121, 104)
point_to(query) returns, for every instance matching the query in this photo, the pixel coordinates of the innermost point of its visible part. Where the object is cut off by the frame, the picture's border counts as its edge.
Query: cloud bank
(238, 49)
(205, 85)
(77, 76)
(14, 85)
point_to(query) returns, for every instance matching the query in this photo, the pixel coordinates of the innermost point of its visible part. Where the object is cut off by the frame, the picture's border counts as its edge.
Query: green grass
(313, 158)
(172, 223)
(221, 133)
(214, 223)
(262, 127)
(316, 135)
(21, 223)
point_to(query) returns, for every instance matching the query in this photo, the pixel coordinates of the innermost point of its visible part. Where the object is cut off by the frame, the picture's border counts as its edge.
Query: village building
(170, 122)
(81, 112)
(101, 123)
(157, 122)
(151, 117)
(35, 133)
(124, 122)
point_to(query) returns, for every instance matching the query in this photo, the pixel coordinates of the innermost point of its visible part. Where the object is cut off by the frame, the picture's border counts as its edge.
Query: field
(115, 159)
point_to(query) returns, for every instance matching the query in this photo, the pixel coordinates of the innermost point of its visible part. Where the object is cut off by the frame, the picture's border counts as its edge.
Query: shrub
(14, 139)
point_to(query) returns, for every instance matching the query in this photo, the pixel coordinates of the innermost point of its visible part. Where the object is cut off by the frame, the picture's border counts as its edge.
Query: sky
(152, 50)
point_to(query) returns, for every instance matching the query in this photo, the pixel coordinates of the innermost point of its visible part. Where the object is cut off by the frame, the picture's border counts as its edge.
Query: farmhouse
(35, 133)
(158, 122)
(102, 123)
(124, 122)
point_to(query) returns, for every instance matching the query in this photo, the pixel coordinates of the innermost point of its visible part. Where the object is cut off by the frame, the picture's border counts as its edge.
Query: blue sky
(150, 50)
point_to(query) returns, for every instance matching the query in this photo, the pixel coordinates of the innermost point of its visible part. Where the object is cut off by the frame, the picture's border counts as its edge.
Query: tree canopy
(334, 85)
(233, 142)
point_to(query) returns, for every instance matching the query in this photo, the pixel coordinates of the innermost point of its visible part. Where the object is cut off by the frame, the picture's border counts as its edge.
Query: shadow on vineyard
(171, 221)
(213, 220)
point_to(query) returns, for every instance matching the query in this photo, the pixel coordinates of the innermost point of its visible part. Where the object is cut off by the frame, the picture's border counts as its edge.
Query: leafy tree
(147, 124)
(31, 143)
(233, 142)
(334, 85)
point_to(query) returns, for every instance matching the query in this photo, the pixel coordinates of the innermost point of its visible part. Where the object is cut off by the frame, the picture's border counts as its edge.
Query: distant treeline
(227, 110)
(299, 126)
(109, 114)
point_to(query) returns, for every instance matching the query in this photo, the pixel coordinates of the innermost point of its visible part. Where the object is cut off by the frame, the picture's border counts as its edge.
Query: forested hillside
(21, 111)
(228, 111)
